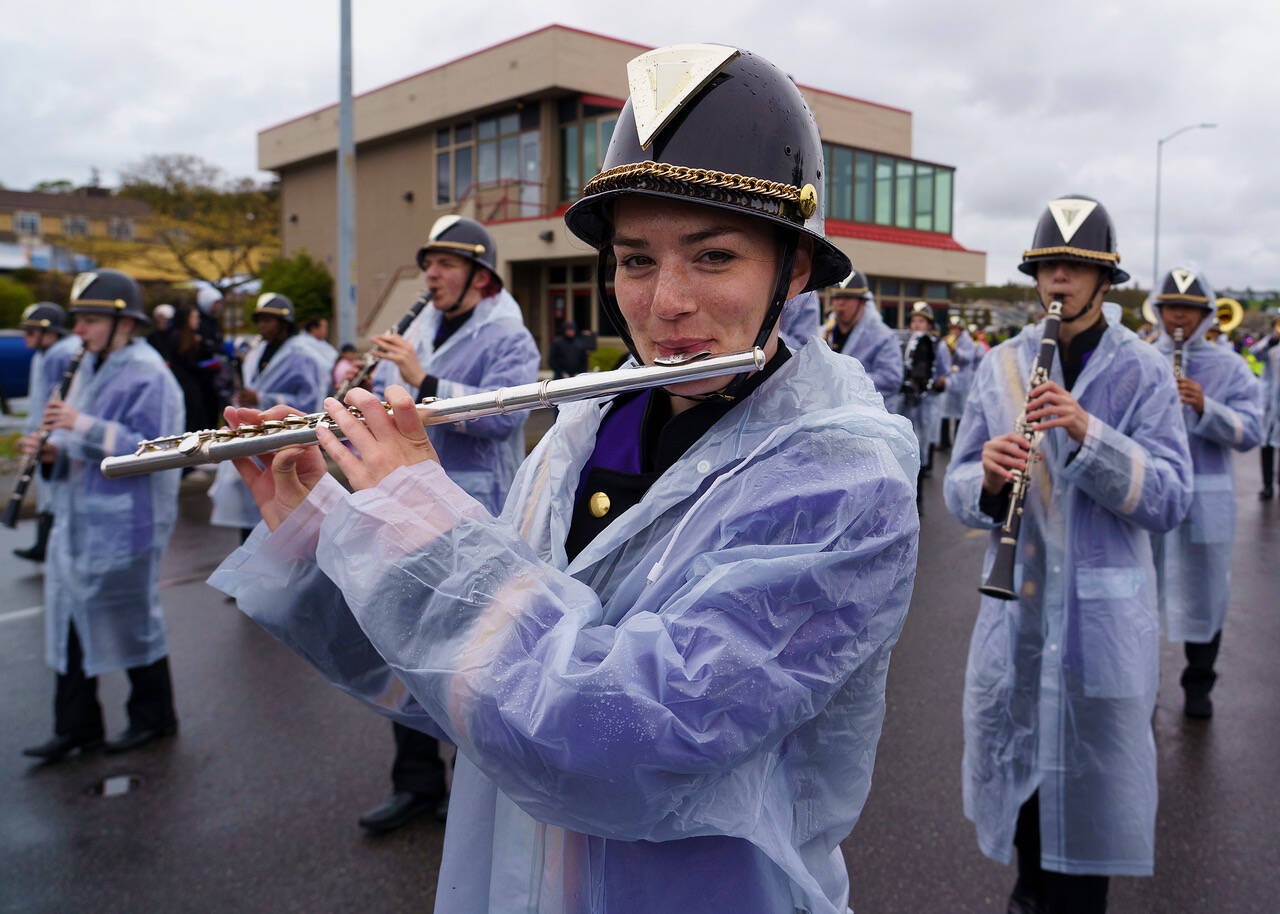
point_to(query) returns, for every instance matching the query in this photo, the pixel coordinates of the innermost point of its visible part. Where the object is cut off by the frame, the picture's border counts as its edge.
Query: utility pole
(346, 186)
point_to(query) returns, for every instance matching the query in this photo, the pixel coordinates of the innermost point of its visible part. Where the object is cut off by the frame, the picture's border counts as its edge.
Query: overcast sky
(1028, 104)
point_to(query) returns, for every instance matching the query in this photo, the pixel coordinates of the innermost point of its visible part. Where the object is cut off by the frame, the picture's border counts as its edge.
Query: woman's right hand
(286, 476)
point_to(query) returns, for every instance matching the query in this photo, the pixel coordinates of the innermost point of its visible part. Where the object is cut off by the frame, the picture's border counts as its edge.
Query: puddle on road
(115, 786)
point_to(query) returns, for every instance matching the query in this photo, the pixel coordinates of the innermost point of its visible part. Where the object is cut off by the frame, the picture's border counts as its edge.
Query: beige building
(509, 134)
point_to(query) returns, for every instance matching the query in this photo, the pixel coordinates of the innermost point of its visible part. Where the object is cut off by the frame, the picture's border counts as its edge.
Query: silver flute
(215, 445)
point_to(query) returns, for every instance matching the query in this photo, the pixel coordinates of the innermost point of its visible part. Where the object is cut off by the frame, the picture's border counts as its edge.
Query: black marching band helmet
(922, 308)
(1185, 287)
(1076, 228)
(716, 126)
(463, 238)
(108, 292)
(854, 285)
(46, 317)
(273, 304)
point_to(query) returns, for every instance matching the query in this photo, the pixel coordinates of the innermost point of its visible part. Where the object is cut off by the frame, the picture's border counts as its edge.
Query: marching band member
(1267, 351)
(801, 320)
(664, 664)
(860, 332)
(102, 611)
(282, 368)
(1059, 758)
(1222, 409)
(926, 365)
(44, 330)
(960, 348)
(471, 339)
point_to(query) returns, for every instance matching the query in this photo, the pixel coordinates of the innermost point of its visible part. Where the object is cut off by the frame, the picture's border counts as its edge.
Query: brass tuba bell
(1230, 314)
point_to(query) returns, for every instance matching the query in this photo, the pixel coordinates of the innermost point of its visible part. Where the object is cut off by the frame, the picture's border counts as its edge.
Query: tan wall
(881, 258)
(6, 222)
(853, 123)
(525, 67)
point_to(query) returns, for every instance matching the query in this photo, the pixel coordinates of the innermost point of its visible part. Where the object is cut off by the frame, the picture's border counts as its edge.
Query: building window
(585, 132)
(924, 198)
(75, 226)
(26, 223)
(503, 149)
(902, 204)
(863, 194)
(937, 290)
(942, 201)
(120, 229)
(886, 190)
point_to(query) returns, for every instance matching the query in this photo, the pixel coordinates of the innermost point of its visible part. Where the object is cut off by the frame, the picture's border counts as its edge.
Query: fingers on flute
(404, 413)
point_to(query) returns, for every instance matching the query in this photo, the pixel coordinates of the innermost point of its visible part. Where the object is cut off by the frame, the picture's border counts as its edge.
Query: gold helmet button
(599, 504)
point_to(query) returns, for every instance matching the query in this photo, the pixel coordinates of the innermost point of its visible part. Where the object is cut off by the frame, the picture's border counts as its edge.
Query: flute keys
(189, 445)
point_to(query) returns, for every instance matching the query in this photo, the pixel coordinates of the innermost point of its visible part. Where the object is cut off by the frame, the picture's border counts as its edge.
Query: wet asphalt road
(253, 806)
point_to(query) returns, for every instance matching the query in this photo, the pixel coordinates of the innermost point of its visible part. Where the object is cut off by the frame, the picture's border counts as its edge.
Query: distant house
(41, 230)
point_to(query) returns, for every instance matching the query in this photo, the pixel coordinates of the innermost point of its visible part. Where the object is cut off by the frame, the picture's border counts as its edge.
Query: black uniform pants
(1055, 893)
(418, 767)
(1268, 467)
(1198, 678)
(76, 711)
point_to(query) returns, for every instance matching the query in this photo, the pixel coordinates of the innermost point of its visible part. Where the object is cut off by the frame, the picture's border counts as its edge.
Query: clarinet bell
(999, 583)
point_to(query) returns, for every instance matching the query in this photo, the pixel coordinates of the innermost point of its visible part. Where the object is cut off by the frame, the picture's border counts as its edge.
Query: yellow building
(32, 218)
(509, 134)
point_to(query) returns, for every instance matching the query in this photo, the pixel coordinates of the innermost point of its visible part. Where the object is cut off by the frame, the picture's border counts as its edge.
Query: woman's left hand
(383, 443)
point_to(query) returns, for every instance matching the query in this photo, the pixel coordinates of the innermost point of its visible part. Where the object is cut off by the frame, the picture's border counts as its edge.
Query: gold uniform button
(599, 504)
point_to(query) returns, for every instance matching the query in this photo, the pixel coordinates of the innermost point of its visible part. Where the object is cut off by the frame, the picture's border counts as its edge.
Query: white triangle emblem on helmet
(83, 281)
(661, 81)
(1183, 279)
(442, 225)
(1070, 214)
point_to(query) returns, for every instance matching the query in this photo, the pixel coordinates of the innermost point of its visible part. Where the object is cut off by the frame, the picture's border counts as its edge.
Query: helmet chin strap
(1088, 307)
(106, 349)
(466, 287)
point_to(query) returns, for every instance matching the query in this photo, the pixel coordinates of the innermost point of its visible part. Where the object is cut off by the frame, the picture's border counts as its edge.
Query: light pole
(1155, 254)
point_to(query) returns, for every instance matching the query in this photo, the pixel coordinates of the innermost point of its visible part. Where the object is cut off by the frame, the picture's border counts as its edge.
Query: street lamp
(1155, 255)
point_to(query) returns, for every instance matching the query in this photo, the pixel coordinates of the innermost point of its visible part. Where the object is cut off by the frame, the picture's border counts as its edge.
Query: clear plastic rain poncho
(1267, 351)
(294, 377)
(109, 534)
(1061, 684)
(43, 380)
(926, 413)
(1193, 561)
(685, 716)
(873, 344)
(801, 320)
(492, 349)
(322, 351)
(964, 362)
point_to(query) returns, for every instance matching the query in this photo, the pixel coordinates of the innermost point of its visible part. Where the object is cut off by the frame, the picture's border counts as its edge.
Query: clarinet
(31, 461)
(1178, 371)
(999, 583)
(370, 361)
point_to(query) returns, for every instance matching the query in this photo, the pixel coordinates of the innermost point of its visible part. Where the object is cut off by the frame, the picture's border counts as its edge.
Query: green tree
(203, 225)
(304, 281)
(14, 297)
(60, 186)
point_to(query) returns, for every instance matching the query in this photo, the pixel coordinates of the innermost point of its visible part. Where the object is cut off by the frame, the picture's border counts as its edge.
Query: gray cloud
(1026, 102)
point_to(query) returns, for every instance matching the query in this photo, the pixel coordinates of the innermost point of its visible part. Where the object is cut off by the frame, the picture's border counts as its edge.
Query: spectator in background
(346, 364)
(190, 357)
(568, 356)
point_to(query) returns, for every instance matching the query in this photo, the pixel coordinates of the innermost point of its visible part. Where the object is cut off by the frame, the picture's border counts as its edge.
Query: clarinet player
(1059, 759)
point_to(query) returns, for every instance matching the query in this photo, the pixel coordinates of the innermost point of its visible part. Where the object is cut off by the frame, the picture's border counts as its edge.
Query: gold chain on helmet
(626, 176)
(1068, 250)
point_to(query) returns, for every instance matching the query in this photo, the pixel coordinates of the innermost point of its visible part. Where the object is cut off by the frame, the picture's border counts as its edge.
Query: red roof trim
(603, 101)
(888, 234)
(559, 211)
(554, 25)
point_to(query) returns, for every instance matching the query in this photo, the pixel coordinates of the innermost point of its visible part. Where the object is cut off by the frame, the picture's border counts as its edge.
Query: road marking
(22, 613)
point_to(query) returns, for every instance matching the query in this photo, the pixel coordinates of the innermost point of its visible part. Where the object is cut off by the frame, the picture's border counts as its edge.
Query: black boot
(44, 523)
(1198, 677)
